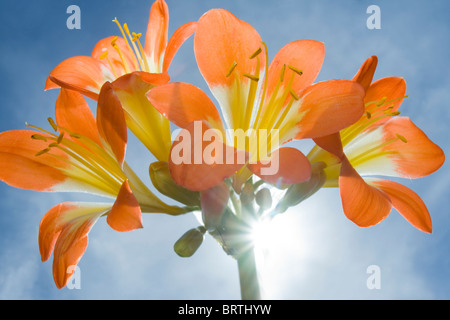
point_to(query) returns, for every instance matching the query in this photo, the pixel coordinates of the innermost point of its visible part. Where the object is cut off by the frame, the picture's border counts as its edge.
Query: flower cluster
(228, 157)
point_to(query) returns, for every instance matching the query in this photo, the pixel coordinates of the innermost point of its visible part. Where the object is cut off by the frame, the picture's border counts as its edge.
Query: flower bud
(189, 242)
(163, 182)
(214, 201)
(264, 198)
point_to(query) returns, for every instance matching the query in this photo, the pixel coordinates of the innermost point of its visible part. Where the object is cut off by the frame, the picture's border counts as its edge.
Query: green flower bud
(163, 182)
(189, 242)
(264, 198)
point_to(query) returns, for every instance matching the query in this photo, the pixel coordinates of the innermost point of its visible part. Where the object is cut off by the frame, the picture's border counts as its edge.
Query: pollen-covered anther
(256, 53)
(103, 55)
(251, 77)
(230, 71)
(52, 123)
(39, 137)
(296, 70)
(293, 94)
(60, 138)
(368, 115)
(42, 152)
(395, 113)
(382, 101)
(136, 36)
(402, 138)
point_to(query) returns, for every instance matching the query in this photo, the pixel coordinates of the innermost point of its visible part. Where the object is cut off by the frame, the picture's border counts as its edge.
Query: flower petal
(111, 123)
(147, 124)
(21, 168)
(64, 229)
(183, 103)
(285, 166)
(407, 203)
(198, 165)
(329, 106)
(176, 40)
(126, 213)
(72, 112)
(83, 74)
(157, 35)
(118, 68)
(304, 55)
(223, 45)
(404, 151)
(363, 204)
(365, 74)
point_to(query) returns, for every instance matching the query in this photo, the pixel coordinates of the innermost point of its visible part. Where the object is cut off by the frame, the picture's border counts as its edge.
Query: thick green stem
(248, 276)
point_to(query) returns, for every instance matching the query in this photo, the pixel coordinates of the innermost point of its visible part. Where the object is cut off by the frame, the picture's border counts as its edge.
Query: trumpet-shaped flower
(131, 68)
(279, 101)
(81, 154)
(380, 143)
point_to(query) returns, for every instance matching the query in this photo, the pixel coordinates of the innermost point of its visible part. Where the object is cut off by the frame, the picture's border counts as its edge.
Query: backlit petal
(363, 204)
(183, 103)
(214, 202)
(126, 213)
(221, 42)
(21, 168)
(329, 106)
(64, 230)
(200, 160)
(285, 166)
(365, 74)
(83, 74)
(111, 122)
(176, 40)
(157, 34)
(407, 203)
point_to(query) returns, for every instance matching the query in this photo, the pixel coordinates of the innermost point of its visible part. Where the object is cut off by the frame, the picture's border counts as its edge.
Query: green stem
(248, 276)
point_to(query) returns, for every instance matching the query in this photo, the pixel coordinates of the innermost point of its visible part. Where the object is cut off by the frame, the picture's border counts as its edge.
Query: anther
(230, 71)
(52, 123)
(368, 115)
(60, 138)
(136, 36)
(75, 135)
(283, 70)
(103, 55)
(256, 53)
(293, 94)
(251, 77)
(38, 137)
(402, 138)
(53, 145)
(297, 71)
(42, 152)
(382, 101)
(395, 113)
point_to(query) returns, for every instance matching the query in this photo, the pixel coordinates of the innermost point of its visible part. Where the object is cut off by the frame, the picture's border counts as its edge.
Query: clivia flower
(279, 99)
(380, 143)
(132, 69)
(82, 154)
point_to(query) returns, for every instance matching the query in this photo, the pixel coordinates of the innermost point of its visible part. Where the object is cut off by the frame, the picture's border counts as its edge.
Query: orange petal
(304, 55)
(407, 203)
(176, 40)
(72, 112)
(157, 33)
(64, 229)
(111, 122)
(21, 168)
(363, 204)
(328, 107)
(113, 56)
(214, 201)
(183, 103)
(387, 89)
(222, 39)
(126, 213)
(83, 74)
(416, 158)
(286, 166)
(331, 143)
(200, 160)
(365, 74)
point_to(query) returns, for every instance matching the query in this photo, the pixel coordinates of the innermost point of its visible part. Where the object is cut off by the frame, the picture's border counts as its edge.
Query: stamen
(116, 47)
(75, 135)
(283, 70)
(104, 55)
(368, 115)
(133, 39)
(395, 113)
(42, 152)
(230, 71)
(60, 138)
(52, 123)
(382, 101)
(402, 138)
(293, 94)
(256, 53)
(251, 77)
(263, 97)
(297, 71)
(39, 137)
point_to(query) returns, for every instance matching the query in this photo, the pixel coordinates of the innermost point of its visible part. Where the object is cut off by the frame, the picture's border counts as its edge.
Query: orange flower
(280, 99)
(133, 70)
(381, 143)
(81, 155)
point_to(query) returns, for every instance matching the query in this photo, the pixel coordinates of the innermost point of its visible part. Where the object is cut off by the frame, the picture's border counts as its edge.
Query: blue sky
(321, 254)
